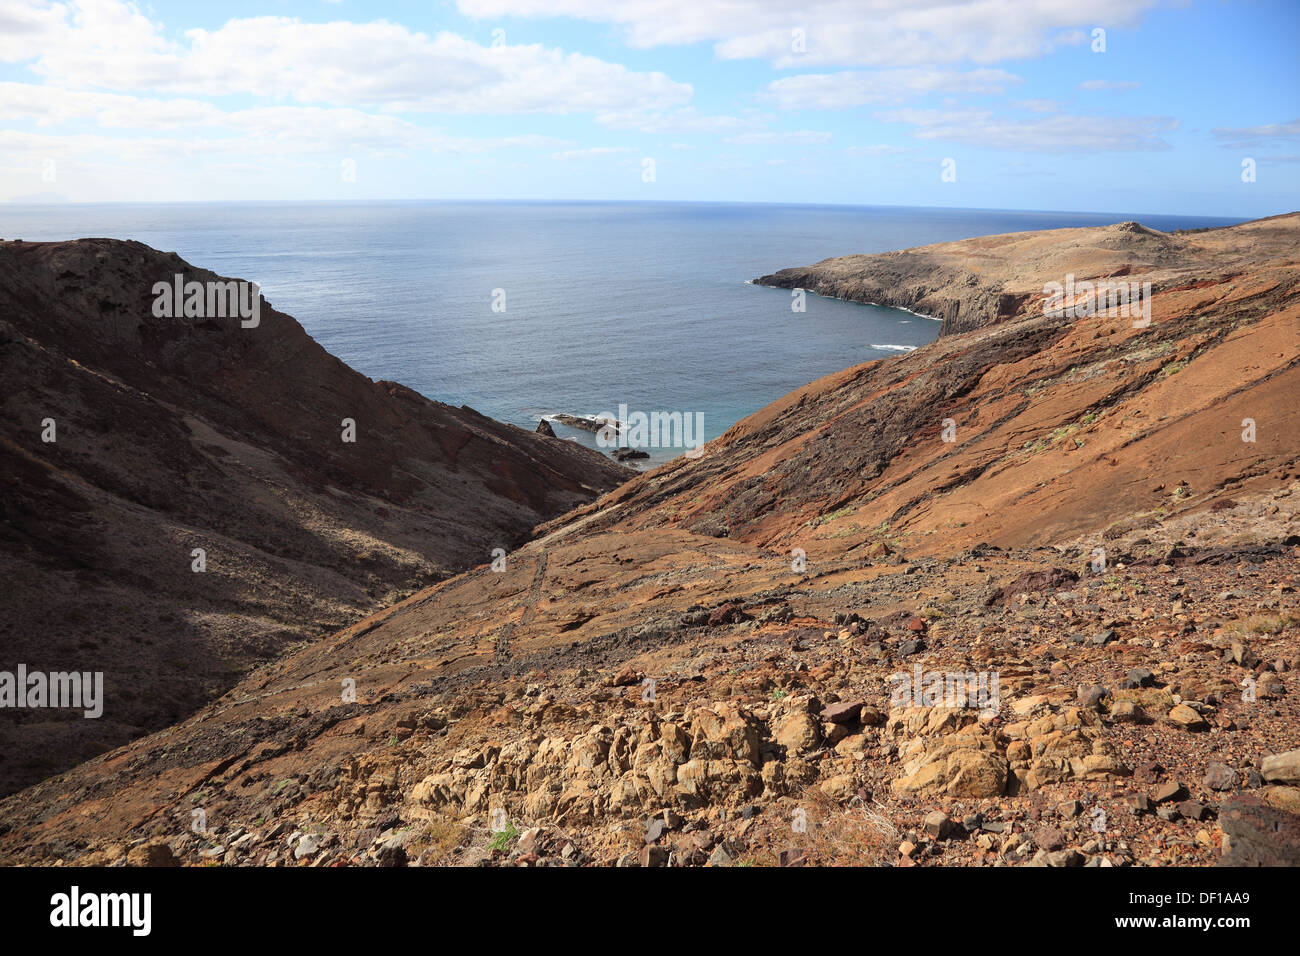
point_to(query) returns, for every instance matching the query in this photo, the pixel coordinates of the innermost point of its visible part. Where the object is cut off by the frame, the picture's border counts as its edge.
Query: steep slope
(172, 434)
(1058, 423)
(772, 590)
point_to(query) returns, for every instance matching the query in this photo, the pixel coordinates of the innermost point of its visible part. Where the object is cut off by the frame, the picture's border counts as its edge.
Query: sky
(1189, 107)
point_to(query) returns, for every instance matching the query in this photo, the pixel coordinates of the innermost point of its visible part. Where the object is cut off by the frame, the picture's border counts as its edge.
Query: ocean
(525, 310)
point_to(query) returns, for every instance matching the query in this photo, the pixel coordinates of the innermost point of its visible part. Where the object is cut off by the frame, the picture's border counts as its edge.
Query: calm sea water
(641, 304)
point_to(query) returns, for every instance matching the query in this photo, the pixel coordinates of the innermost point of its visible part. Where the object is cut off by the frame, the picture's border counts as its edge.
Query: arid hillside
(703, 666)
(175, 434)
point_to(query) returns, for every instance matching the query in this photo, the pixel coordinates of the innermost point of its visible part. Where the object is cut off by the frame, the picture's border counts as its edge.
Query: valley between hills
(691, 665)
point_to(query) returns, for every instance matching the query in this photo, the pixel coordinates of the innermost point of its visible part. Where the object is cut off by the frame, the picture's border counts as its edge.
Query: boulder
(797, 732)
(1281, 768)
(1258, 835)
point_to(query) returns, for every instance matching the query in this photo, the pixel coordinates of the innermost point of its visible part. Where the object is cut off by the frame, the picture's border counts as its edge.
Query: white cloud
(876, 150)
(833, 91)
(1058, 133)
(1038, 106)
(50, 106)
(1236, 137)
(772, 138)
(591, 152)
(271, 136)
(848, 32)
(311, 128)
(25, 26)
(684, 120)
(108, 44)
(1109, 85)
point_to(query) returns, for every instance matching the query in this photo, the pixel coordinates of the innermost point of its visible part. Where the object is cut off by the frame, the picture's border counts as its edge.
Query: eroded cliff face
(945, 509)
(175, 434)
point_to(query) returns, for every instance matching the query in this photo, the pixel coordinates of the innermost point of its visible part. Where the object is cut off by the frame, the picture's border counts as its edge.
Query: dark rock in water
(1258, 835)
(628, 454)
(544, 428)
(588, 423)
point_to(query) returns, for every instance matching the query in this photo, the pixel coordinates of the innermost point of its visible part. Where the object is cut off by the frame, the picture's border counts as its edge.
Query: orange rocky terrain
(173, 434)
(704, 665)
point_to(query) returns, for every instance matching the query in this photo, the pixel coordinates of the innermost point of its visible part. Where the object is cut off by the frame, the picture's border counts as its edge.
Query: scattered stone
(653, 856)
(1138, 677)
(1092, 696)
(1065, 858)
(843, 713)
(627, 677)
(1173, 790)
(1281, 768)
(720, 857)
(153, 853)
(1049, 838)
(1219, 776)
(792, 857)
(937, 825)
(797, 732)
(726, 614)
(309, 845)
(1126, 712)
(1186, 718)
(1258, 835)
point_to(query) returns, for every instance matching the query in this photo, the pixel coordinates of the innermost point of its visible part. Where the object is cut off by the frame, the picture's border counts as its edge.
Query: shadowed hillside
(172, 434)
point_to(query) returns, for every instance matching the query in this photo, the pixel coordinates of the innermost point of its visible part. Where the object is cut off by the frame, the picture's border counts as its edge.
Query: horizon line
(559, 202)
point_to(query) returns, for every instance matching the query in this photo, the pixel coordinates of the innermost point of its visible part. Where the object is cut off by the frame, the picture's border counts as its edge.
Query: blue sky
(831, 101)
